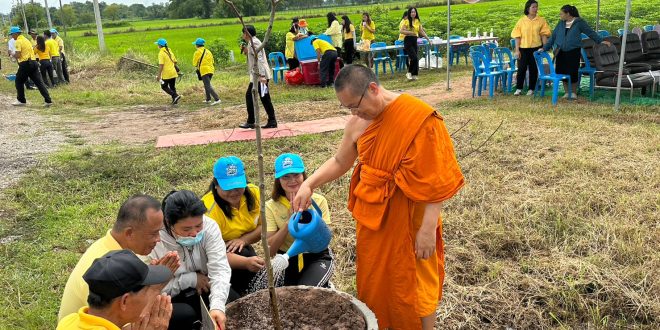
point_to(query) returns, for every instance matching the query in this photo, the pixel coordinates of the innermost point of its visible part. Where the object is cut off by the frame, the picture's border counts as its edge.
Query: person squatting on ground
(313, 269)
(204, 270)
(326, 55)
(290, 51)
(406, 169)
(28, 68)
(167, 70)
(530, 33)
(203, 61)
(412, 29)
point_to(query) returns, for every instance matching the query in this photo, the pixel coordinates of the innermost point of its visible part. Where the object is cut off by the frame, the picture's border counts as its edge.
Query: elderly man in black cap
(123, 290)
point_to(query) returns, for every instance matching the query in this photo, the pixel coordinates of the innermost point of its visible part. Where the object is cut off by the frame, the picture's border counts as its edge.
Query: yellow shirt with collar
(84, 321)
(368, 35)
(45, 55)
(25, 47)
(530, 31)
(322, 46)
(76, 289)
(416, 25)
(243, 220)
(52, 47)
(277, 216)
(169, 71)
(60, 43)
(206, 66)
(349, 34)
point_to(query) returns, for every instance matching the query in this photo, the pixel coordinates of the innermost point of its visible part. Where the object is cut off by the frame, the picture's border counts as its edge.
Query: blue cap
(288, 163)
(14, 29)
(230, 173)
(199, 42)
(161, 42)
(53, 31)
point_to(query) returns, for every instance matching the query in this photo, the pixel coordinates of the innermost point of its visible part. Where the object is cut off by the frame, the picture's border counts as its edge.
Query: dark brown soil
(300, 308)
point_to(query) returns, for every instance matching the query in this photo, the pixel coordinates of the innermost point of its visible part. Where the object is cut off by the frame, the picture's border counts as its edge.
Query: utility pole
(62, 18)
(99, 27)
(50, 22)
(36, 17)
(20, 2)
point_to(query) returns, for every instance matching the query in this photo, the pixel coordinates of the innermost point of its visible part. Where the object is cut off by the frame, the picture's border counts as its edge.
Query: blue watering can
(310, 232)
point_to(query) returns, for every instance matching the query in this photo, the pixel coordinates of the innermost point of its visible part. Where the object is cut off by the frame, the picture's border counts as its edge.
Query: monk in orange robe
(406, 169)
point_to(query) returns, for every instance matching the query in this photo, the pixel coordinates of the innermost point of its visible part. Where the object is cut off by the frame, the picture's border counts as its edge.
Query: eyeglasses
(359, 102)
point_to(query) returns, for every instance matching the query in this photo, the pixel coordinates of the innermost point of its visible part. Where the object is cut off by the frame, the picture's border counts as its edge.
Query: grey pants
(210, 92)
(57, 65)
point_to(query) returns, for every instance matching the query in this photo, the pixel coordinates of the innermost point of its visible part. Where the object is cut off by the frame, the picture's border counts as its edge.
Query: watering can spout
(310, 232)
(298, 247)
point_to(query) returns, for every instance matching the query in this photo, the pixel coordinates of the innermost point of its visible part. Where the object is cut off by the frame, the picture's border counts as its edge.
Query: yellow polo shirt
(416, 25)
(45, 55)
(366, 34)
(289, 50)
(168, 65)
(76, 289)
(60, 42)
(83, 321)
(206, 66)
(530, 31)
(242, 221)
(52, 47)
(25, 47)
(277, 216)
(323, 46)
(349, 34)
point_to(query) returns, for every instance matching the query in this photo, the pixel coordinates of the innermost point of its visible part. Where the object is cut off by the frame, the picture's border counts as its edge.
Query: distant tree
(137, 10)
(156, 11)
(113, 12)
(67, 15)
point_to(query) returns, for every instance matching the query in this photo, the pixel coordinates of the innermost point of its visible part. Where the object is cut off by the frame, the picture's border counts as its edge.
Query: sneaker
(18, 104)
(409, 76)
(207, 101)
(216, 102)
(529, 92)
(48, 104)
(176, 99)
(573, 97)
(517, 92)
(414, 77)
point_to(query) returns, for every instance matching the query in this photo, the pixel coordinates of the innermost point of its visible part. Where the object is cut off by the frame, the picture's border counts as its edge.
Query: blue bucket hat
(287, 164)
(14, 29)
(230, 173)
(161, 42)
(199, 42)
(53, 31)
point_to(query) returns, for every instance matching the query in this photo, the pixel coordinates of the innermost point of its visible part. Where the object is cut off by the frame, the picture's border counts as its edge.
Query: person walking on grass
(203, 60)
(54, 50)
(28, 68)
(412, 28)
(326, 55)
(167, 70)
(264, 74)
(530, 33)
(46, 67)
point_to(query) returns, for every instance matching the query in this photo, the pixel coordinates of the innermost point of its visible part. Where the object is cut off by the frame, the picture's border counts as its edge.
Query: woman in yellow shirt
(45, 65)
(334, 31)
(412, 29)
(530, 33)
(290, 51)
(313, 269)
(167, 70)
(234, 205)
(349, 39)
(203, 61)
(368, 35)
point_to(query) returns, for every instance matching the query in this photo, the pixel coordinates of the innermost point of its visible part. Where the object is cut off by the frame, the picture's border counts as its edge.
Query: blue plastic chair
(457, 50)
(483, 74)
(587, 70)
(401, 57)
(603, 33)
(648, 28)
(381, 56)
(435, 51)
(507, 66)
(513, 44)
(554, 77)
(491, 52)
(278, 64)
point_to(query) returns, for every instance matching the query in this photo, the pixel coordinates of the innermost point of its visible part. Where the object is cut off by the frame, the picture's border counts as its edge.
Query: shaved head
(354, 77)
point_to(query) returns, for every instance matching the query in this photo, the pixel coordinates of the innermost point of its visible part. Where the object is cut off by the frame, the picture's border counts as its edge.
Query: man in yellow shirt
(203, 60)
(137, 228)
(121, 287)
(55, 58)
(28, 68)
(60, 44)
(326, 55)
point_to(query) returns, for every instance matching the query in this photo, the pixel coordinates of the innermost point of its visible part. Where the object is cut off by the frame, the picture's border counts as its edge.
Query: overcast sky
(5, 5)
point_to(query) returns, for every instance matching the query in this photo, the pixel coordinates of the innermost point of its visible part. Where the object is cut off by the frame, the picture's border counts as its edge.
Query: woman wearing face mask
(313, 269)
(204, 270)
(234, 205)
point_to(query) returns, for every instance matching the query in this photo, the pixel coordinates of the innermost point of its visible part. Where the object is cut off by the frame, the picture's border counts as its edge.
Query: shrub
(220, 51)
(276, 42)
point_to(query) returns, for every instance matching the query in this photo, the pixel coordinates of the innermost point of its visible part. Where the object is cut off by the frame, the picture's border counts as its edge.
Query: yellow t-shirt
(401, 35)
(243, 220)
(52, 47)
(25, 47)
(366, 34)
(289, 51)
(206, 66)
(349, 35)
(60, 42)
(168, 65)
(416, 25)
(323, 46)
(45, 55)
(277, 216)
(530, 31)
(82, 320)
(76, 289)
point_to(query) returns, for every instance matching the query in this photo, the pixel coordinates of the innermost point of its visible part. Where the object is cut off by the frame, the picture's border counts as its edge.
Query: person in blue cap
(28, 68)
(203, 61)
(313, 269)
(60, 44)
(168, 71)
(234, 204)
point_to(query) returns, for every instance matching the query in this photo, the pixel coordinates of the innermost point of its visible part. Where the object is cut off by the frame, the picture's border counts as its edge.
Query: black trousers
(265, 100)
(568, 62)
(169, 86)
(187, 311)
(410, 46)
(208, 88)
(65, 67)
(317, 269)
(241, 278)
(29, 70)
(349, 51)
(46, 68)
(527, 63)
(327, 70)
(293, 63)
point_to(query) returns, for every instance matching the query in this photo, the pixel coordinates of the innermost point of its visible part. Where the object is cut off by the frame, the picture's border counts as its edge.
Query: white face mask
(187, 241)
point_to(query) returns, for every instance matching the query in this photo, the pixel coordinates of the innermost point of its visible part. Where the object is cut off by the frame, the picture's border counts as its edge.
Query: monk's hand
(425, 243)
(303, 198)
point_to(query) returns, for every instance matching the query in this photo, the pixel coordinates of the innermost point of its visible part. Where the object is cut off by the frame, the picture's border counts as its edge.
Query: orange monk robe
(406, 160)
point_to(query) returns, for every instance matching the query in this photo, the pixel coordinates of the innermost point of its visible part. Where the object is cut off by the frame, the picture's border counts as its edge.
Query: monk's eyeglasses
(359, 102)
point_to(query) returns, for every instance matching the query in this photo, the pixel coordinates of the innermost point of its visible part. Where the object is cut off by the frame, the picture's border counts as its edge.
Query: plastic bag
(293, 77)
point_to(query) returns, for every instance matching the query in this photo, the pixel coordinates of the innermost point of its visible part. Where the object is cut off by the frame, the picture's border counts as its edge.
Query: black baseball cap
(121, 271)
